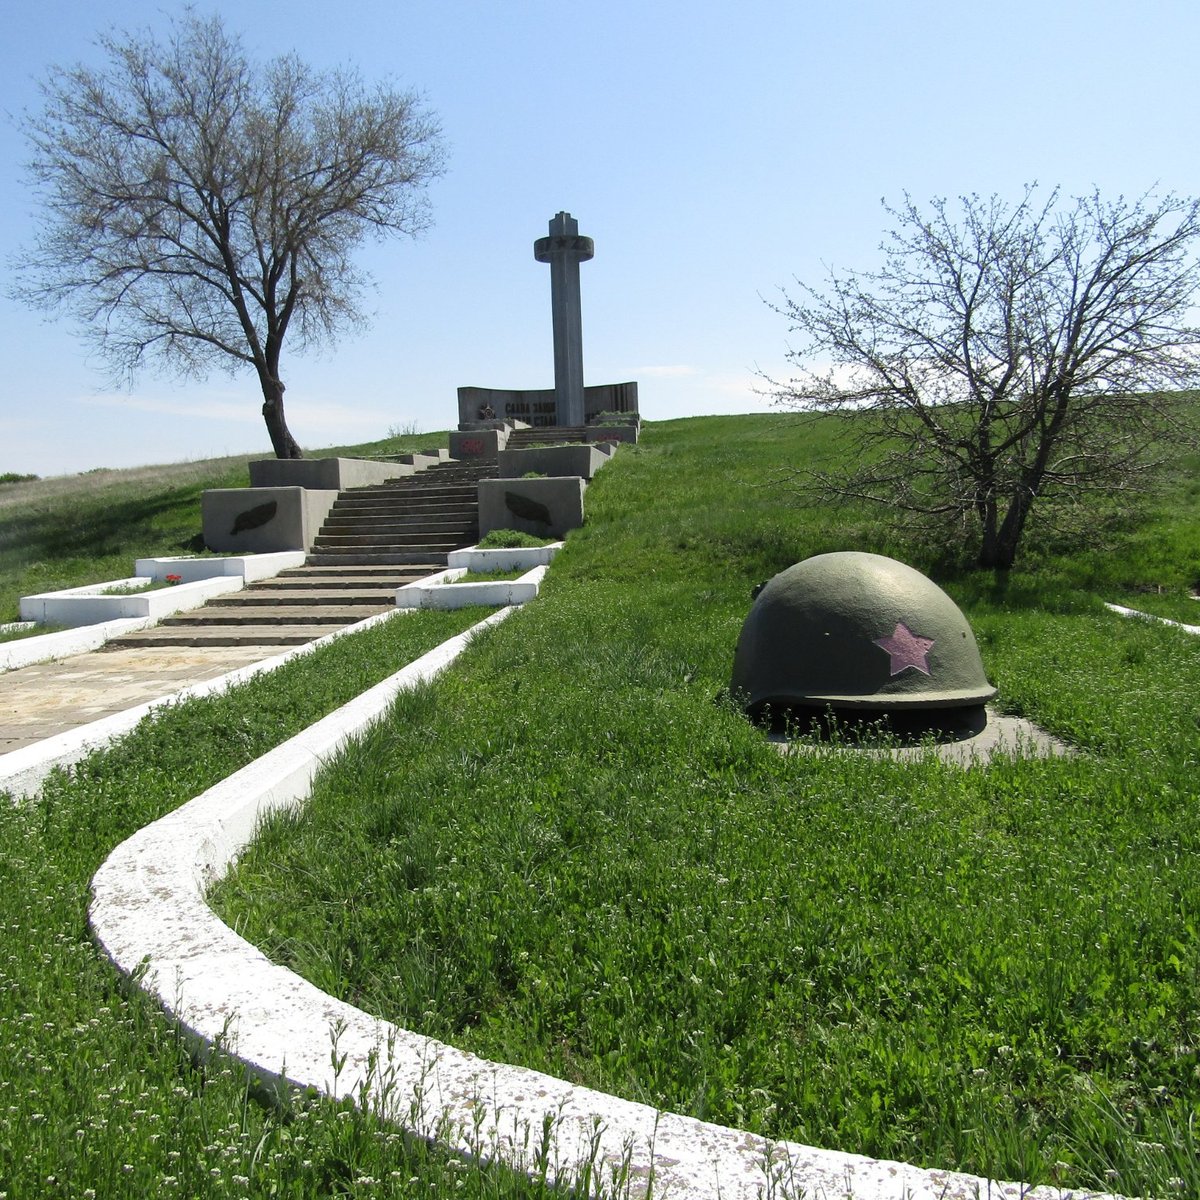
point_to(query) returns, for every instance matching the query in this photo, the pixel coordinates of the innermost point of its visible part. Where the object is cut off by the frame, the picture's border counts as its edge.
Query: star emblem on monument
(906, 649)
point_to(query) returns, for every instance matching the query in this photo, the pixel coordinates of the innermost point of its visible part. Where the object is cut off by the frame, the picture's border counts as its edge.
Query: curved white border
(149, 914)
(1121, 610)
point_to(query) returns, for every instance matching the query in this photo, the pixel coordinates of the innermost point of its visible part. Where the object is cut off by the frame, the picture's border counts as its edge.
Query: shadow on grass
(112, 528)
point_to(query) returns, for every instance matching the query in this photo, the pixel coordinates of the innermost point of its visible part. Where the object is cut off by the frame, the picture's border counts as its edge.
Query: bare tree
(1011, 355)
(199, 207)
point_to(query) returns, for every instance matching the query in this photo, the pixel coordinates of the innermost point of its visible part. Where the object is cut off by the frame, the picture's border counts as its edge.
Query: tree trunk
(999, 546)
(282, 442)
(996, 554)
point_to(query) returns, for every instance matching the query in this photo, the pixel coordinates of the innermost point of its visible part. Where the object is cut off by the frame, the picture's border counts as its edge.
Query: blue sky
(714, 151)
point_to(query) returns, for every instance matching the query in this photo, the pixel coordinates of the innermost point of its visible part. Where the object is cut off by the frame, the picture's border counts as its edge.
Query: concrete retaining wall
(442, 591)
(612, 433)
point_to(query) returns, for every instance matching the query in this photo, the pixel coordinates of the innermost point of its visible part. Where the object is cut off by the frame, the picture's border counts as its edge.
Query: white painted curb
(517, 558)
(149, 915)
(440, 590)
(26, 651)
(250, 567)
(94, 602)
(1133, 612)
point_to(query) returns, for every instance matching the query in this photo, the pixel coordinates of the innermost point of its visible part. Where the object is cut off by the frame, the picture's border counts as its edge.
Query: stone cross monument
(564, 250)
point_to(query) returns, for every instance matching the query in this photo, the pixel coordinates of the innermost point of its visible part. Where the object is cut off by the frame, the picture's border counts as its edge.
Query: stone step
(391, 527)
(435, 476)
(393, 557)
(220, 635)
(403, 504)
(335, 585)
(389, 500)
(375, 594)
(413, 520)
(400, 519)
(444, 478)
(414, 496)
(350, 579)
(278, 614)
(414, 540)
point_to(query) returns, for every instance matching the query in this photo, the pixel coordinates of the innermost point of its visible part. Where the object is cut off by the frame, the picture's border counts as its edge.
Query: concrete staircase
(293, 608)
(374, 539)
(418, 519)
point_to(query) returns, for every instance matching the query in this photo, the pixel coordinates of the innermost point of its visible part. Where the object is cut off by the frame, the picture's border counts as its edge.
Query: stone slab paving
(46, 699)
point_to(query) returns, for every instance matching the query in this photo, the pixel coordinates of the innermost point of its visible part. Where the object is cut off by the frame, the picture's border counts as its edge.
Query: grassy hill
(571, 854)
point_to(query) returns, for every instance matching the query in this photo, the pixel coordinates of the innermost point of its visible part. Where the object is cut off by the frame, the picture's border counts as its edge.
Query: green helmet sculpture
(860, 634)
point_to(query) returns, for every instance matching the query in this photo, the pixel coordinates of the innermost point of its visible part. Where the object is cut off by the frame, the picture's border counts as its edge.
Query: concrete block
(612, 433)
(94, 603)
(520, 558)
(543, 507)
(580, 460)
(248, 566)
(508, 424)
(440, 590)
(259, 520)
(336, 474)
(420, 460)
(477, 445)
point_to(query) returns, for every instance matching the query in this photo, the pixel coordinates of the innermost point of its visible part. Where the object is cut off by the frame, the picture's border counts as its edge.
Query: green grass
(16, 635)
(621, 882)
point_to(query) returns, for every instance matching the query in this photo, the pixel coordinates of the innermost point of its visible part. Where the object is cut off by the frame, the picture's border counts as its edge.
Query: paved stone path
(263, 620)
(46, 699)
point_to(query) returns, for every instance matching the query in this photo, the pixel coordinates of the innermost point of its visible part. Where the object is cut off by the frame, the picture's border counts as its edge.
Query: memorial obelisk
(564, 250)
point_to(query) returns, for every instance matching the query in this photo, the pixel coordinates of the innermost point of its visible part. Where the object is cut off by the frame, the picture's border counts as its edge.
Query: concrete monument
(564, 250)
